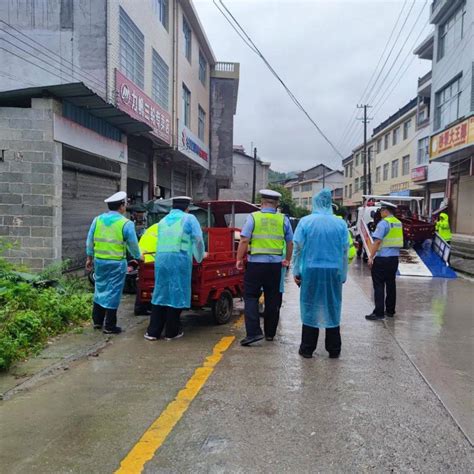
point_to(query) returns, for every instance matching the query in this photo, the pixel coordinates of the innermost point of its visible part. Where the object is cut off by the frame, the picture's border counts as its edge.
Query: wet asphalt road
(264, 409)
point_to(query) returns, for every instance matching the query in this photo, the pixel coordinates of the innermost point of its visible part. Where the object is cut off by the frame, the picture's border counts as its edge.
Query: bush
(33, 309)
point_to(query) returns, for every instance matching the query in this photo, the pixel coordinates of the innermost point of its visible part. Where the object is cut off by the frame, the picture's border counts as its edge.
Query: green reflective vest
(394, 238)
(352, 250)
(171, 237)
(148, 243)
(268, 236)
(442, 227)
(108, 239)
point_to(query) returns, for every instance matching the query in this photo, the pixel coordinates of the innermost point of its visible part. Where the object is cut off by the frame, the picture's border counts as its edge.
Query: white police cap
(388, 205)
(269, 194)
(117, 197)
(182, 199)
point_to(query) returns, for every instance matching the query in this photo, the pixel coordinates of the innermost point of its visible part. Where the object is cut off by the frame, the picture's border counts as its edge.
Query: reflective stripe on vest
(394, 238)
(108, 239)
(171, 238)
(148, 243)
(268, 236)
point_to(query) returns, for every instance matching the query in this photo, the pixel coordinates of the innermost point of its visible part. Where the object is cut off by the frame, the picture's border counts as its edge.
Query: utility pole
(365, 121)
(254, 174)
(324, 176)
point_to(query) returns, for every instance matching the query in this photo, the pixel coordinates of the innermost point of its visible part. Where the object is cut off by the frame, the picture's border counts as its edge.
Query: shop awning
(80, 95)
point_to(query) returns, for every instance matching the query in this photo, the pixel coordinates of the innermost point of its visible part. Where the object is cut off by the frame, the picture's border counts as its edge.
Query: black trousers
(309, 340)
(260, 276)
(104, 316)
(384, 271)
(164, 317)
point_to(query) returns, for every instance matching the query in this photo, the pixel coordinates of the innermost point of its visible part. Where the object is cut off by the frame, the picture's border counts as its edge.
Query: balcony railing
(226, 70)
(424, 79)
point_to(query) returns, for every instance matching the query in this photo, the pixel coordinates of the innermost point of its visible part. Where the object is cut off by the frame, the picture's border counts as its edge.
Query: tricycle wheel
(222, 308)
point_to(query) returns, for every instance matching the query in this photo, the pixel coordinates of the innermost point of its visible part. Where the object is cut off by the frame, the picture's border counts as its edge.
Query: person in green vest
(352, 250)
(383, 261)
(110, 236)
(148, 242)
(442, 227)
(263, 236)
(179, 239)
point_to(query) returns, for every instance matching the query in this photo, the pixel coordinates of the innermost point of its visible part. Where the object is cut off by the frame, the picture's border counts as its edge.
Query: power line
(255, 49)
(36, 42)
(349, 132)
(362, 97)
(400, 51)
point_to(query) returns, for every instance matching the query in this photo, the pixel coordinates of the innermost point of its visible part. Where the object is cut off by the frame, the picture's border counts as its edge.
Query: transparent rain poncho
(320, 258)
(173, 269)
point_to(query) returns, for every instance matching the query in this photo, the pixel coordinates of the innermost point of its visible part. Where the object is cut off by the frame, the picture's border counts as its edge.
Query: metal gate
(83, 199)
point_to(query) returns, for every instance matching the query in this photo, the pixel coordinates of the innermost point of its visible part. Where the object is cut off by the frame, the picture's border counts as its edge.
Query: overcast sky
(326, 51)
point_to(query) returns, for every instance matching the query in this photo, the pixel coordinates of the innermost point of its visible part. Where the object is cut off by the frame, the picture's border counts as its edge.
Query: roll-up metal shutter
(83, 199)
(179, 183)
(138, 165)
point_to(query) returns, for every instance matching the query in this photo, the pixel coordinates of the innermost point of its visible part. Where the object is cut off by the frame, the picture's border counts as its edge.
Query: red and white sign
(367, 240)
(132, 100)
(419, 174)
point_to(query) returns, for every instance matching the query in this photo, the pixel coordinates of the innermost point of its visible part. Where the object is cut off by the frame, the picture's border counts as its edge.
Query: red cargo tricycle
(215, 282)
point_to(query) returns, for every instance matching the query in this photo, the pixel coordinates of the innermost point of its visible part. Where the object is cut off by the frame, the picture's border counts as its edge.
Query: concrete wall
(222, 133)
(453, 63)
(31, 184)
(242, 182)
(157, 37)
(188, 72)
(73, 32)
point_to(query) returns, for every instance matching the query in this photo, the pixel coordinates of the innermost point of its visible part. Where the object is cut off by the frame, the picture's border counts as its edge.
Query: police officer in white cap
(383, 261)
(263, 236)
(110, 236)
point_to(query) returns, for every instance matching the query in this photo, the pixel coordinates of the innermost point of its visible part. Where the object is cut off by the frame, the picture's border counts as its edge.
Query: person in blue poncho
(110, 236)
(320, 264)
(179, 239)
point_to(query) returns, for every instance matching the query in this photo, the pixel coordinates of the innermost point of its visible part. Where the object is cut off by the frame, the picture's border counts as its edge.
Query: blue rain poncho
(110, 274)
(173, 269)
(320, 259)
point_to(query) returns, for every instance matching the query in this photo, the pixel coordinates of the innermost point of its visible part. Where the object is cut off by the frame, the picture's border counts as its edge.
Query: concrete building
(311, 181)
(101, 96)
(242, 181)
(451, 97)
(154, 62)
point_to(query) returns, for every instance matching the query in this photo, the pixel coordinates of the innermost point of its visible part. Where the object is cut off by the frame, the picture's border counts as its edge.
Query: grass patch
(34, 307)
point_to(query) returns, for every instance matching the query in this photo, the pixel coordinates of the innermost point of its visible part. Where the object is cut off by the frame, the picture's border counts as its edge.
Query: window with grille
(160, 81)
(423, 155)
(356, 185)
(202, 68)
(451, 32)
(406, 129)
(377, 174)
(379, 145)
(406, 165)
(350, 191)
(394, 169)
(385, 171)
(187, 39)
(386, 139)
(447, 102)
(132, 47)
(395, 136)
(201, 122)
(186, 107)
(161, 8)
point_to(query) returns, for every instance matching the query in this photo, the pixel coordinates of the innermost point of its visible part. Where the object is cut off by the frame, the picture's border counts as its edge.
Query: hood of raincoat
(322, 202)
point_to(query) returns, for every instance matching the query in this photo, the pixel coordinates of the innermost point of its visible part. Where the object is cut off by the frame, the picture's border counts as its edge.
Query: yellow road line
(159, 430)
(240, 322)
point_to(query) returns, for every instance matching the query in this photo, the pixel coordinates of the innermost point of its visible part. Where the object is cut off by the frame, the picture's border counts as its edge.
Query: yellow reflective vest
(108, 240)
(148, 243)
(442, 227)
(394, 238)
(268, 236)
(352, 250)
